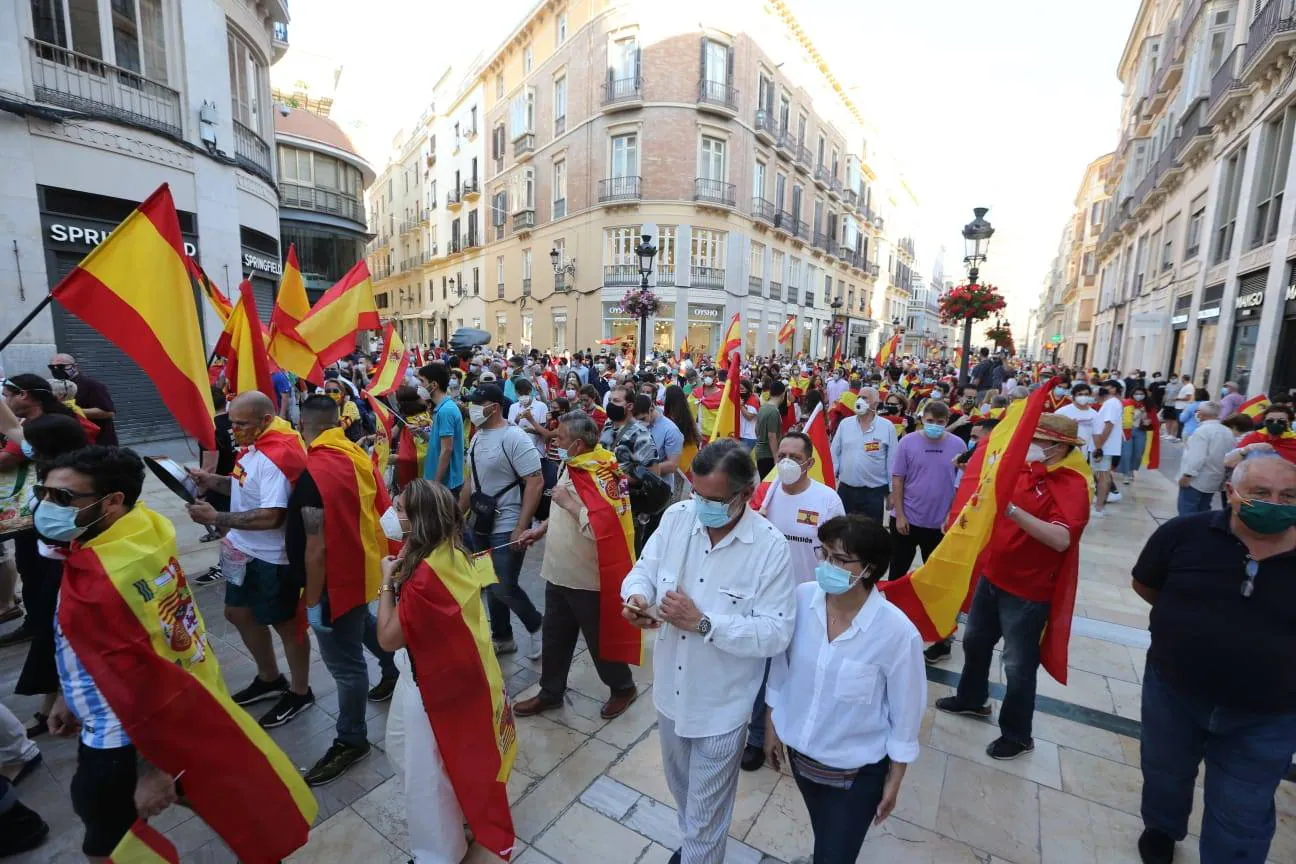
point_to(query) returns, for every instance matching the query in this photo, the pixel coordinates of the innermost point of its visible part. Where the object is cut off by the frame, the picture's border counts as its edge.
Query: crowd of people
(757, 582)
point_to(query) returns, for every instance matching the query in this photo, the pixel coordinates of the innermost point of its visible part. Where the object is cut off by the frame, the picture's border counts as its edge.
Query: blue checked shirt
(100, 728)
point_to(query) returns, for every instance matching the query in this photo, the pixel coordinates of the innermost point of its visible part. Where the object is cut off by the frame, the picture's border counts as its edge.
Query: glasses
(59, 495)
(1251, 569)
(823, 555)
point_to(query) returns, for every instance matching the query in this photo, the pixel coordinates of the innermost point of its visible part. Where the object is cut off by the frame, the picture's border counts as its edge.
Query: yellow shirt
(350, 413)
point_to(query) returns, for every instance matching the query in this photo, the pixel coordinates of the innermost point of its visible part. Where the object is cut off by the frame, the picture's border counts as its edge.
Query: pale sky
(996, 103)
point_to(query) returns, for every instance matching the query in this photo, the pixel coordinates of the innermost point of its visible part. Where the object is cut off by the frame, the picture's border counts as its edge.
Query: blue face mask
(972, 444)
(57, 522)
(26, 449)
(712, 514)
(933, 430)
(1059, 392)
(835, 580)
(563, 455)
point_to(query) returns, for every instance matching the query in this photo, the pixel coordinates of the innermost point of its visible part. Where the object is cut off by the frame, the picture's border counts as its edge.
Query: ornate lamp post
(833, 326)
(976, 243)
(647, 305)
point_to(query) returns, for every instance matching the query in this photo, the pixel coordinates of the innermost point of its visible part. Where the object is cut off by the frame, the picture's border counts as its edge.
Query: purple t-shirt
(927, 467)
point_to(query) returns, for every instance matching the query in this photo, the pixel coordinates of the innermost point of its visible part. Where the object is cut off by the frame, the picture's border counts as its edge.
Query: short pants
(267, 590)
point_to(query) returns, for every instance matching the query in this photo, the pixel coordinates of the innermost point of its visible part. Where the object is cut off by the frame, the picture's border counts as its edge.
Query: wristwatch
(704, 626)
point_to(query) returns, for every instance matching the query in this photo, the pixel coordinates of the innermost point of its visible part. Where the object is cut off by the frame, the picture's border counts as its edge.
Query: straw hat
(1055, 427)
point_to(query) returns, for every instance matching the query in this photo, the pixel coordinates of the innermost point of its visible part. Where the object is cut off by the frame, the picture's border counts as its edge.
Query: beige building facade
(1066, 306)
(729, 142)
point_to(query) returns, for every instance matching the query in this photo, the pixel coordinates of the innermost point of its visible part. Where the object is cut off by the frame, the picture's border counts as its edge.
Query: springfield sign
(77, 235)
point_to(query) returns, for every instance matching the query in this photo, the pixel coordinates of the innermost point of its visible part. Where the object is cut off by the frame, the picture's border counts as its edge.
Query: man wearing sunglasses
(92, 396)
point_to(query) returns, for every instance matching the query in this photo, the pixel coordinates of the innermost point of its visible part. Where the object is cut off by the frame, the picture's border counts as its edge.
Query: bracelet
(386, 587)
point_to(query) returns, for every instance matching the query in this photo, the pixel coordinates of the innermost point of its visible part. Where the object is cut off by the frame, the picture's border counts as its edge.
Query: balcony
(874, 270)
(762, 211)
(470, 133)
(755, 286)
(799, 229)
(94, 88)
(1271, 38)
(717, 96)
(665, 274)
(707, 277)
(473, 242)
(620, 94)
(845, 252)
(524, 145)
(524, 220)
(764, 126)
(851, 198)
(616, 189)
(834, 188)
(707, 191)
(456, 246)
(560, 208)
(526, 286)
(804, 158)
(321, 201)
(621, 275)
(783, 221)
(1227, 90)
(453, 199)
(821, 176)
(471, 190)
(252, 153)
(278, 40)
(1194, 133)
(822, 241)
(1172, 72)
(431, 154)
(560, 284)
(784, 144)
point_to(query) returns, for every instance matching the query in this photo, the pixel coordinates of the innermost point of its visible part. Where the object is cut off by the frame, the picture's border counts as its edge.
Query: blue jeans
(841, 817)
(1132, 451)
(1191, 501)
(506, 595)
(756, 728)
(1246, 757)
(342, 650)
(996, 613)
(868, 500)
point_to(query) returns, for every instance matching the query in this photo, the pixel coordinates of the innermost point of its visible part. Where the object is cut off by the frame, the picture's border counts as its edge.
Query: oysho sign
(259, 262)
(77, 235)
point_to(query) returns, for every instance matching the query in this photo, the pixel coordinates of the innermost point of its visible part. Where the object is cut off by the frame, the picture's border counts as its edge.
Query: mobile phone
(646, 613)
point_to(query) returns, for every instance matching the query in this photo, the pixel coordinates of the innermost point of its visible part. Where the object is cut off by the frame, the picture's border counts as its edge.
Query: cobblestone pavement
(587, 791)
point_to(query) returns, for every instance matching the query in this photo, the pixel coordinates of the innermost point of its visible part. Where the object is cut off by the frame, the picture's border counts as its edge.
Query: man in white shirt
(1183, 398)
(863, 453)
(1080, 409)
(529, 413)
(1202, 470)
(1107, 434)
(836, 387)
(721, 578)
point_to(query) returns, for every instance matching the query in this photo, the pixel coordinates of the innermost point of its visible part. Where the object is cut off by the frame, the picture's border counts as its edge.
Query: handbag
(484, 508)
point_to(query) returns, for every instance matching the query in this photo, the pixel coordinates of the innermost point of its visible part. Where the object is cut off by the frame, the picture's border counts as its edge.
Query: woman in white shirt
(847, 697)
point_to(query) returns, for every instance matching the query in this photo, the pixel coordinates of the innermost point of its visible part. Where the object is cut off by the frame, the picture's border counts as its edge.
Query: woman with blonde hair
(450, 733)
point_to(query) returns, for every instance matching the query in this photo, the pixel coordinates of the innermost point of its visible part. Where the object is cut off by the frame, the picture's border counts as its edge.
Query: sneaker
(1113, 497)
(1003, 748)
(937, 652)
(211, 575)
(21, 829)
(1097, 514)
(288, 707)
(260, 690)
(382, 691)
(505, 646)
(753, 758)
(536, 649)
(335, 763)
(1156, 847)
(950, 705)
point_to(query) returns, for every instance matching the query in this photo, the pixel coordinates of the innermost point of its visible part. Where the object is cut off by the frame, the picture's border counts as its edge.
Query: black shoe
(937, 652)
(21, 829)
(1156, 847)
(1006, 748)
(16, 636)
(40, 727)
(335, 763)
(288, 707)
(950, 705)
(211, 575)
(260, 690)
(753, 758)
(382, 691)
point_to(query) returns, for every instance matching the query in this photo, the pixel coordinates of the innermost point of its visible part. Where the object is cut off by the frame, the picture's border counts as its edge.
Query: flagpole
(27, 319)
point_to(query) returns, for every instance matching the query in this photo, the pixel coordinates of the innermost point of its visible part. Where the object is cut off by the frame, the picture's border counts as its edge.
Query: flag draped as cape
(283, 446)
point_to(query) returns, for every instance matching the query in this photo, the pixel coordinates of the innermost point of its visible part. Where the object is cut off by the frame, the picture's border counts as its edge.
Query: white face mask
(391, 525)
(789, 471)
(708, 381)
(1083, 401)
(477, 414)
(524, 401)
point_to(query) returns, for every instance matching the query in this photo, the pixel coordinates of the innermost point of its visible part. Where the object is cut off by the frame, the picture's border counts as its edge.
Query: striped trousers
(702, 774)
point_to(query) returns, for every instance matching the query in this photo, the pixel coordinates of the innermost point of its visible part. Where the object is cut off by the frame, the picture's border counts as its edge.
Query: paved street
(587, 791)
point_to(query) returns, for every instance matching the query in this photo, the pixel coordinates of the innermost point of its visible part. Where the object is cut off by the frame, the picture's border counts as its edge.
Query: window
(522, 189)
(560, 328)
(796, 202)
(835, 163)
(476, 279)
(1167, 245)
(785, 115)
(623, 59)
(716, 65)
(526, 264)
(528, 59)
(802, 122)
(1140, 264)
(501, 323)
(758, 180)
(708, 248)
(625, 155)
(559, 188)
(1230, 189)
(666, 250)
(1088, 267)
(138, 37)
(499, 85)
(498, 146)
(499, 209)
(794, 273)
(247, 76)
(776, 270)
(820, 152)
(499, 276)
(619, 245)
(560, 105)
(1192, 243)
(1154, 254)
(1271, 177)
(561, 26)
(528, 327)
(522, 114)
(713, 159)
(765, 96)
(758, 261)
(1096, 214)
(780, 187)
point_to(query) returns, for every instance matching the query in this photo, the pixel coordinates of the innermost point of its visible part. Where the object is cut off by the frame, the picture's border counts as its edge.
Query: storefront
(1284, 374)
(261, 267)
(1207, 332)
(705, 326)
(1246, 328)
(72, 224)
(1179, 333)
(857, 338)
(617, 324)
(807, 334)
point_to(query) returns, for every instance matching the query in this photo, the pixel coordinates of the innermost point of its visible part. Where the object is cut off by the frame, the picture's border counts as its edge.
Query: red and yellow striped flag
(602, 489)
(291, 306)
(219, 302)
(728, 420)
(732, 342)
(822, 469)
(887, 350)
(390, 373)
(788, 330)
(242, 344)
(380, 455)
(345, 309)
(144, 845)
(446, 631)
(1255, 407)
(354, 500)
(131, 618)
(134, 289)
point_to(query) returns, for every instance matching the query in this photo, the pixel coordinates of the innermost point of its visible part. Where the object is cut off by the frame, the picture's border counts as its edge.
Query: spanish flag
(1255, 407)
(821, 470)
(447, 634)
(380, 455)
(787, 331)
(242, 344)
(602, 489)
(887, 349)
(291, 306)
(390, 373)
(354, 500)
(684, 349)
(837, 353)
(134, 289)
(1150, 458)
(219, 302)
(728, 419)
(732, 340)
(344, 310)
(144, 845)
(281, 445)
(131, 619)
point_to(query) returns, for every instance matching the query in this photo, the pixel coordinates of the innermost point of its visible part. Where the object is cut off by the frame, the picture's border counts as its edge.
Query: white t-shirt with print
(798, 517)
(262, 486)
(1113, 411)
(1085, 419)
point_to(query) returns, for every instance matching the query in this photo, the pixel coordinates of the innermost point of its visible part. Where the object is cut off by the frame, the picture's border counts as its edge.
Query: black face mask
(60, 372)
(616, 413)
(1275, 427)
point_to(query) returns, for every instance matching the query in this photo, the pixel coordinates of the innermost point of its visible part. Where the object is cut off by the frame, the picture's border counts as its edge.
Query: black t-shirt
(225, 455)
(93, 394)
(304, 494)
(1207, 639)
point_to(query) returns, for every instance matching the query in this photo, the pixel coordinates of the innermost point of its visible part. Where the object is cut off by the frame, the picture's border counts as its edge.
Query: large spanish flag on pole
(134, 289)
(788, 330)
(242, 344)
(448, 637)
(822, 470)
(728, 421)
(1255, 407)
(887, 349)
(732, 341)
(131, 618)
(144, 845)
(291, 306)
(380, 456)
(219, 302)
(602, 489)
(390, 373)
(354, 500)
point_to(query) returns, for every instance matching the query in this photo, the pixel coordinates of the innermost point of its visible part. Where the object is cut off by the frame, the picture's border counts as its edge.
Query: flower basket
(833, 330)
(640, 303)
(970, 303)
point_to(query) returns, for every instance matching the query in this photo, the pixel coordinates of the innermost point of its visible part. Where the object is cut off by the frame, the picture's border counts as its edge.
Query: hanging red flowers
(970, 302)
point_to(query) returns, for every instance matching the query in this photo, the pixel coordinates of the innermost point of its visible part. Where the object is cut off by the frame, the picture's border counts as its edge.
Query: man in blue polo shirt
(445, 453)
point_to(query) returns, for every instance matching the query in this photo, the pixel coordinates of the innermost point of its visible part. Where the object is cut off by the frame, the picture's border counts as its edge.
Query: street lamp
(646, 252)
(560, 268)
(976, 243)
(835, 305)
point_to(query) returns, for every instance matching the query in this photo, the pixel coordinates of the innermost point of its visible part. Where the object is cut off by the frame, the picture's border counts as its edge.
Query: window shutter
(702, 60)
(729, 67)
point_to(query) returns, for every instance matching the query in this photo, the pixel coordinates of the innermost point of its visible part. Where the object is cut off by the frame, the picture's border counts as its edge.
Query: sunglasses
(59, 495)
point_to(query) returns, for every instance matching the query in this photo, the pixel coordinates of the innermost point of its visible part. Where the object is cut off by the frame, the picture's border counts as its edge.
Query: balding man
(863, 451)
(1202, 469)
(259, 592)
(1217, 684)
(92, 396)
